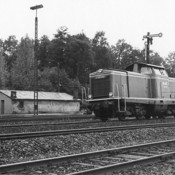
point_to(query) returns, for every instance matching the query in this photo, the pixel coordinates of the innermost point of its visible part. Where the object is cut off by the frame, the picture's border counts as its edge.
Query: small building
(22, 102)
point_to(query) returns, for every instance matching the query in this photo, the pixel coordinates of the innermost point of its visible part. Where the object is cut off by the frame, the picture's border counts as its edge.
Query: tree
(43, 52)
(103, 56)
(169, 64)
(52, 80)
(9, 54)
(72, 53)
(78, 57)
(124, 54)
(56, 50)
(156, 58)
(23, 67)
(9, 49)
(44, 79)
(3, 71)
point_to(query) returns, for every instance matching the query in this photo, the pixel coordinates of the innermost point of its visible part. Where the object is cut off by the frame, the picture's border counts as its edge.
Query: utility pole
(36, 60)
(149, 40)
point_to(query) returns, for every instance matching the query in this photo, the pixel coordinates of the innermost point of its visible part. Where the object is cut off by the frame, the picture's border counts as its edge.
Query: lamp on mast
(36, 60)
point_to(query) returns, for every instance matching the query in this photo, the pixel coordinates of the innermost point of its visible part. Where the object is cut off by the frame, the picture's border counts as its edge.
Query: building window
(21, 104)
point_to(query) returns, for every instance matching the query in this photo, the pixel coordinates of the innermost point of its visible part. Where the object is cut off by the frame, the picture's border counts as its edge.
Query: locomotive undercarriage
(122, 110)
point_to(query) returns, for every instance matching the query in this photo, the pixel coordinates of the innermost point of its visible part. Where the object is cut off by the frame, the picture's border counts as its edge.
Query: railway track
(81, 131)
(98, 162)
(9, 125)
(49, 124)
(60, 125)
(48, 117)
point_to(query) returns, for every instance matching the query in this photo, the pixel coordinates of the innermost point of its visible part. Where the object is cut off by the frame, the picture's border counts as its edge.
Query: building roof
(29, 95)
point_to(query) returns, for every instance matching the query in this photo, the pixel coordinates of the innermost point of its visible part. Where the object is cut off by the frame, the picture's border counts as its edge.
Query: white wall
(47, 107)
(7, 104)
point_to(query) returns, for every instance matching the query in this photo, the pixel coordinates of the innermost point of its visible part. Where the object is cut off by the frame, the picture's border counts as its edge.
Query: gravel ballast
(37, 148)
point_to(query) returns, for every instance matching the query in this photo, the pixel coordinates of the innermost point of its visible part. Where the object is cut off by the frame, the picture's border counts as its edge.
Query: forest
(65, 62)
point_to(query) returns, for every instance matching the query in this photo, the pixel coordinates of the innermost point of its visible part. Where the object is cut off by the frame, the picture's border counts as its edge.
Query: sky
(119, 19)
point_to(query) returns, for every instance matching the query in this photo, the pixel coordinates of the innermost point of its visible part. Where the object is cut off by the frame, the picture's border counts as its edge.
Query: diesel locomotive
(141, 90)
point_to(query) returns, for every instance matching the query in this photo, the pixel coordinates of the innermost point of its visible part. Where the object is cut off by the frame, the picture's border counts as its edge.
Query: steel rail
(57, 117)
(80, 131)
(110, 168)
(69, 123)
(50, 124)
(56, 160)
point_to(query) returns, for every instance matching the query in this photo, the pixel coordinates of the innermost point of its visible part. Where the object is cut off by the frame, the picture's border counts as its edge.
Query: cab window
(163, 72)
(157, 71)
(146, 70)
(160, 72)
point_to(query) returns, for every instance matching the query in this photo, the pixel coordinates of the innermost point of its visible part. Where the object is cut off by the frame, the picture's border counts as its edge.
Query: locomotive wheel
(104, 115)
(101, 114)
(111, 113)
(139, 117)
(155, 116)
(104, 118)
(147, 116)
(161, 116)
(97, 114)
(121, 116)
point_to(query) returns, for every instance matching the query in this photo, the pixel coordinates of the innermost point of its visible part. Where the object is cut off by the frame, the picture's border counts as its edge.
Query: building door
(2, 106)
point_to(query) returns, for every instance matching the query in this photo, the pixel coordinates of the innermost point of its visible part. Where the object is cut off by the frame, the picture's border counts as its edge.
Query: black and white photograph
(87, 87)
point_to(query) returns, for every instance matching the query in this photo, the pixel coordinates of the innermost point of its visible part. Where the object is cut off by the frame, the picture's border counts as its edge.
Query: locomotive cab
(141, 90)
(156, 77)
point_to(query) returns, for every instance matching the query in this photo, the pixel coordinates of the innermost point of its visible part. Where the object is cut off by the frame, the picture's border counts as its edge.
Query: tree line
(65, 62)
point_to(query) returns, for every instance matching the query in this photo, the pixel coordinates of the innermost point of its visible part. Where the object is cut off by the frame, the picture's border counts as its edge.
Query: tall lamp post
(36, 60)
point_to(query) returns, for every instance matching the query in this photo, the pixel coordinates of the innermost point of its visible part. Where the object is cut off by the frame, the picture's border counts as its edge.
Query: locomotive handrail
(118, 98)
(84, 96)
(124, 95)
(161, 90)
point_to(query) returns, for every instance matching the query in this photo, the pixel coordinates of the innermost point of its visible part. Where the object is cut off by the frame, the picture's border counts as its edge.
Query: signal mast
(149, 40)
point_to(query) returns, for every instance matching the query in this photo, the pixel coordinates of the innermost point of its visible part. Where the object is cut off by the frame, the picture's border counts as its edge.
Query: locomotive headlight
(100, 70)
(89, 96)
(110, 94)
